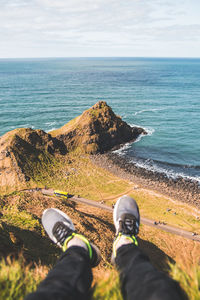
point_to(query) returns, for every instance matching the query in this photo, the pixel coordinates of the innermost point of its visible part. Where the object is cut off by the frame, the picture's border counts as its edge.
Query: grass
(190, 283)
(108, 288)
(161, 208)
(64, 128)
(20, 226)
(76, 174)
(18, 279)
(21, 219)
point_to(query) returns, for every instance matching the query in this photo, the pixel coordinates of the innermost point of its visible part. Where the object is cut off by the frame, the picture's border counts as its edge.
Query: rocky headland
(97, 130)
(24, 151)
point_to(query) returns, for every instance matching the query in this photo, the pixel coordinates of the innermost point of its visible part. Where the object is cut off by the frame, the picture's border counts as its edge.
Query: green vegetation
(190, 283)
(18, 279)
(159, 207)
(94, 114)
(108, 288)
(21, 219)
(64, 128)
(22, 235)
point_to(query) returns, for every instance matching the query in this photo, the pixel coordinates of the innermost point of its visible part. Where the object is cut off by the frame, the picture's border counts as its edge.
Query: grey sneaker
(126, 218)
(61, 231)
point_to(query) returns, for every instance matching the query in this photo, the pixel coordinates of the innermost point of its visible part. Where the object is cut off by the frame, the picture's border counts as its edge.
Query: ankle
(122, 240)
(76, 241)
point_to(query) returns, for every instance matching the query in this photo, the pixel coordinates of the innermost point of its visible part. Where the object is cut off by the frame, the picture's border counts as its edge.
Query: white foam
(149, 130)
(54, 128)
(122, 150)
(150, 165)
(139, 138)
(50, 123)
(147, 110)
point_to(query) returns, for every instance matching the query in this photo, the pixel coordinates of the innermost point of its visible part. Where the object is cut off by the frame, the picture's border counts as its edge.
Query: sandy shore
(182, 190)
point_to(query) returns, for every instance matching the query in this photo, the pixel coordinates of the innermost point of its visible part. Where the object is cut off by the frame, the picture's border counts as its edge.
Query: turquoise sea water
(161, 95)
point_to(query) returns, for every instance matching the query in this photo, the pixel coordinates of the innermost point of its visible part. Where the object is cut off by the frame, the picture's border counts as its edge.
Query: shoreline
(180, 189)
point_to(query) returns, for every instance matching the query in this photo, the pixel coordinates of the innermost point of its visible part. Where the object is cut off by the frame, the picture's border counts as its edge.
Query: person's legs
(71, 277)
(139, 279)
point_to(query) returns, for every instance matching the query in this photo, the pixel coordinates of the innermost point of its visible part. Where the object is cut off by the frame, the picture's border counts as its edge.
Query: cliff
(97, 130)
(22, 150)
(25, 153)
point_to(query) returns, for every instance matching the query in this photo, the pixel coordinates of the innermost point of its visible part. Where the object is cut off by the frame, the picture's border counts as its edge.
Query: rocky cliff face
(98, 129)
(24, 150)
(21, 149)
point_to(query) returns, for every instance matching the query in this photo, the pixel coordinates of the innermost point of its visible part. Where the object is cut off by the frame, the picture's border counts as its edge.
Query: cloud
(130, 24)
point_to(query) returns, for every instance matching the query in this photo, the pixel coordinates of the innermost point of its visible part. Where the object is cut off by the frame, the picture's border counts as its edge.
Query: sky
(99, 28)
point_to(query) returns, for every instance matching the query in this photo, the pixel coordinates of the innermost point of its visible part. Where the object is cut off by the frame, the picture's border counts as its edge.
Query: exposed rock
(98, 129)
(24, 151)
(20, 150)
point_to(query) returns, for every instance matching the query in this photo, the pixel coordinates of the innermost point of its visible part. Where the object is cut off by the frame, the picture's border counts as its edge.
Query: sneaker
(61, 231)
(126, 218)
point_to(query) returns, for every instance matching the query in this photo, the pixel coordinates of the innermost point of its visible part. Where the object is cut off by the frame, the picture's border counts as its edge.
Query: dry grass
(77, 175)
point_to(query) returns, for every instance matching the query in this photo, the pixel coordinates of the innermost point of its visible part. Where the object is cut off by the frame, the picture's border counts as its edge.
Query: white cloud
(98, 25)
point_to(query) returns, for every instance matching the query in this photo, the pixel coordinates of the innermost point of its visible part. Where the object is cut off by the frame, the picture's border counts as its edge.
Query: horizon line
(74, 57)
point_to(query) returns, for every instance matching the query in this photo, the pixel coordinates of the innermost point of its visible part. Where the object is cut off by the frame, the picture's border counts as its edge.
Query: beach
(179, 189)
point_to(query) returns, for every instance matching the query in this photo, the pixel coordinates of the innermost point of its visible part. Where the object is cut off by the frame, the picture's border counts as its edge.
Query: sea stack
(97, 130)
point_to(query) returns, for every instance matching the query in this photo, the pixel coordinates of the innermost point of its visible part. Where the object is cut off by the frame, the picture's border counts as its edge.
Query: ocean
(159, 94)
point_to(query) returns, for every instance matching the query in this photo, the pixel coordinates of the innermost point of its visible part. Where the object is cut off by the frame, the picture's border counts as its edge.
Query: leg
(71, 277)
(140, 280)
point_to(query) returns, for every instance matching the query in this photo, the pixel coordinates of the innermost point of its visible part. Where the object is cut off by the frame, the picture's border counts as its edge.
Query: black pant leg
(140, 280)
(70, 278)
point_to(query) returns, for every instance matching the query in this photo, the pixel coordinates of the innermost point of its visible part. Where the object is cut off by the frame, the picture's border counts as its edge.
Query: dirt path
(163, 226)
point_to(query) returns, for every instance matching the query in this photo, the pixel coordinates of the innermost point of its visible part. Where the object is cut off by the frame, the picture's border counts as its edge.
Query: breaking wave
(173, 171)
(147, 110)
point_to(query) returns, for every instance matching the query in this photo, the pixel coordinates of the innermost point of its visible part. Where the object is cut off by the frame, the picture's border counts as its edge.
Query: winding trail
(163, 226)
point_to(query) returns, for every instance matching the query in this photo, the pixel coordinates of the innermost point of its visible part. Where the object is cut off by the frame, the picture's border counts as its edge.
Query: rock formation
(97, 130)
(23, 151)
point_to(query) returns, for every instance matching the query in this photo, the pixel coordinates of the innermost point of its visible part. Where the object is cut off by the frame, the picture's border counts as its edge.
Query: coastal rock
(97, 130)
(21, 150)
(26, 154)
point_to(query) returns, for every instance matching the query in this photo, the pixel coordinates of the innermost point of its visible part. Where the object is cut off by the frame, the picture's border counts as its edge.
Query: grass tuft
(17, 279)
(108, 288)
(21, 219)
(190, 283)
